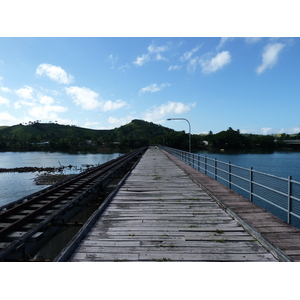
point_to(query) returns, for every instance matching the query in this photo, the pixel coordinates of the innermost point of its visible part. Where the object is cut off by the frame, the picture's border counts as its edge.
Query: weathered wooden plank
(111, 243)
(207, 257)
(169, 249)
(91, 257)
(168, 216)
(153, 227)
(160, 257)
(197, 245)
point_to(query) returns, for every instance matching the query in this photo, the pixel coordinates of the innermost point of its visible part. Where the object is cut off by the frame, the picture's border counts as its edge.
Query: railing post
(289, 199)
(199, 165)
(205, 165)
(216, 175)
(229, 174)
(251, 184)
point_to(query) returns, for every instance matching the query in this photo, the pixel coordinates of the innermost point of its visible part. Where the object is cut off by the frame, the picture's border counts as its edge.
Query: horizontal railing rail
(280, 196)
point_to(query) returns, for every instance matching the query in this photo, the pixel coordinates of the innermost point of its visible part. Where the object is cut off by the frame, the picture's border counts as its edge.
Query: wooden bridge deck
(161, 214)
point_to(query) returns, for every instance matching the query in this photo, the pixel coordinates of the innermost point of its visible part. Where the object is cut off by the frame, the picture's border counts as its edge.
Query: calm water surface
(281, 164)
(14, 186)
(17, 185)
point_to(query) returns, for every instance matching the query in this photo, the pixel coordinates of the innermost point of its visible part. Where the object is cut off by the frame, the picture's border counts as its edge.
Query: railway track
(28, 223)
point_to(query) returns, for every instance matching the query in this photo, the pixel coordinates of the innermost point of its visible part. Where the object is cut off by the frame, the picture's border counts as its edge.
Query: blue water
(14, 186)
(282, 164)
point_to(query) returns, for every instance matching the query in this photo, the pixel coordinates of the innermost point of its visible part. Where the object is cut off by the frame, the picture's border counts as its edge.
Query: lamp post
(170, 119)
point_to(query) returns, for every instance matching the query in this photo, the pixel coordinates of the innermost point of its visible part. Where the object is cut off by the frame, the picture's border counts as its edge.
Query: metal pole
(289, 199)
(190, 144)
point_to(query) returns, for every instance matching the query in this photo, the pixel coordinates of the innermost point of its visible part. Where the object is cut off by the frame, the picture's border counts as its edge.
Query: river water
(281, 164)
(14, 186)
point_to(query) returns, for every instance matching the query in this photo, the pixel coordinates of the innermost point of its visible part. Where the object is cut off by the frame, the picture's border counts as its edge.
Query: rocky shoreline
(48, 175)
(28, 169)
(49, 179)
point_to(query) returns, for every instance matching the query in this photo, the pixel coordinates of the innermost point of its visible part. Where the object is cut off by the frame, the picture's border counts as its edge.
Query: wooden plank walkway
(280, 238)
(161, 214)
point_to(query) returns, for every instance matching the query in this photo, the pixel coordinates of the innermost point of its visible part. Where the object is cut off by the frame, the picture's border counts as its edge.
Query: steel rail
(55, 188)
(87, 178)
(67, 183)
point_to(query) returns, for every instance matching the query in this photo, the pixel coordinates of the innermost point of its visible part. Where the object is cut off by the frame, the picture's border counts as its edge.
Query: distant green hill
(51, 136)
(49, 131)
(54, 137)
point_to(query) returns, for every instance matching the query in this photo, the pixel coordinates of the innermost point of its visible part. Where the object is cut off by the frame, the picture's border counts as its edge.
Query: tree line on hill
(54, 137)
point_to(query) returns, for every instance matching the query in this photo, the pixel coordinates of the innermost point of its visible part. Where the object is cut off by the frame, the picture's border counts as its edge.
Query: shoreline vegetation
(52, 137)
(36, 136)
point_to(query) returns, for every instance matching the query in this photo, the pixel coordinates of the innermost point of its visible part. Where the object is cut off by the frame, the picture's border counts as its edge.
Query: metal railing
(280, 196)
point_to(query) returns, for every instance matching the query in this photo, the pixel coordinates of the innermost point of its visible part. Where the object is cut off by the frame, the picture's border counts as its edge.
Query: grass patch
(162, 259)
(219, 241)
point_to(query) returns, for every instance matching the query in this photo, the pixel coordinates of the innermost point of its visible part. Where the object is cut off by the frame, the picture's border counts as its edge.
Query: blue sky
(250, 84)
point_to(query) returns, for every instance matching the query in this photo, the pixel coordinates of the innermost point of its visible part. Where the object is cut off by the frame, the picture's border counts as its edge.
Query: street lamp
(170, 119)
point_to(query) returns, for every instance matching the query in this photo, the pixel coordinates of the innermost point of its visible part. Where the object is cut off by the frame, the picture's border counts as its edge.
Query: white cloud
(187, 55)
(160, 57)
(2, 88)
(46, 112)
(159, 113)
(113, 59)
(262, 130)
(175, 67)
(141, 60)
(154, 49)
(252, 40)
(4, 101)
(266, 130)
(55, 73)
(5, 89)
(25, 93)
(120, 121)
(154, 52)
(87, 99)
(84, 97)
(109, 105)
(292, 130)
(215, 63)
(46, 100)
(158, 50)
(123, 68)
(192, 65)
(223, 41)
(270, 57)
(91, 125)
(152, 88)
(19, 104)
(7, 119)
